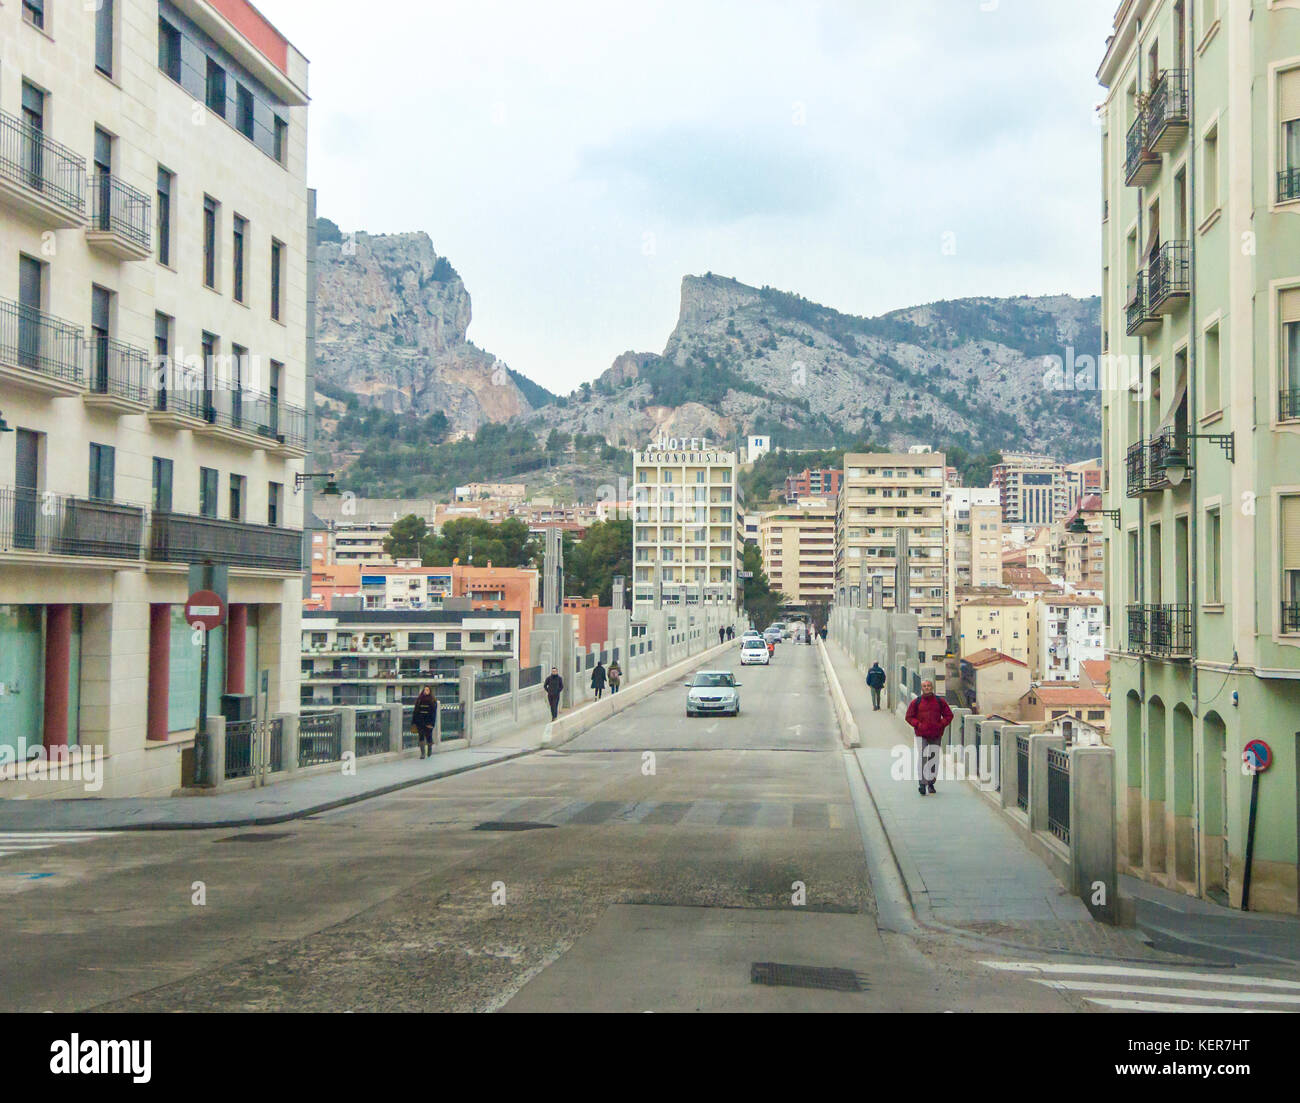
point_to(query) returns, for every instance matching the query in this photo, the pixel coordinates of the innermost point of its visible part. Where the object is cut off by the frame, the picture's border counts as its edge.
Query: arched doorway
(1157, 845)
(1133, 779)
(1214, 831)
(1182, 820)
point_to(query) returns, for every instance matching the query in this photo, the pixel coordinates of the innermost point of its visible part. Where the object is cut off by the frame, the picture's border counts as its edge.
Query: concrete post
(288, 743)
(1010, 732)
(216, 756)
(395, 728)
(467, 702)
(952, 737)
(349, 732)
(1093, 831)
(512, 666)
(1038, 745)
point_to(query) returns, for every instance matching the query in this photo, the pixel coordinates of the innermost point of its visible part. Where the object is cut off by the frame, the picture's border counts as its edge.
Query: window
(210, 207)
(104, 37)
(1213, 392)
(101, 472)
(1289, 369)
(1213, 557)
(1289, 114)
(162, 331)
(165, 183)
(169, 50)
(162, 485)
(236, 497)
(281, 148)
(208, 491)
(34, 13)
(277, 271)
(237, 257)
(216, 88)
(273, 492)
(244, 111)
(1210, 171)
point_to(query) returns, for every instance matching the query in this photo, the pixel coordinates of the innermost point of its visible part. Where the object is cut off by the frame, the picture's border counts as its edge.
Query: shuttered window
(1288, 95)
(1290, 528)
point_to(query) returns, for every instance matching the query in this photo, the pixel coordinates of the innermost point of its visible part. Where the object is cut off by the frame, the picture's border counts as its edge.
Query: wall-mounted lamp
(1176, 461)
(1079, 527)
(329, 490)
(5, 427)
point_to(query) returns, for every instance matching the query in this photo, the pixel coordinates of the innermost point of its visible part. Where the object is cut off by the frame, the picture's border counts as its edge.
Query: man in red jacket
(929, 716)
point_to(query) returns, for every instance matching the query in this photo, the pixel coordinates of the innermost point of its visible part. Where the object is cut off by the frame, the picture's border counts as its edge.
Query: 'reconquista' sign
(684, 450)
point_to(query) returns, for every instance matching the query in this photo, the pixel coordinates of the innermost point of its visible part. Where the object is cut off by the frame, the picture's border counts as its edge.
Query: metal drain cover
(776, 975)
(510, 825)
(266, 837)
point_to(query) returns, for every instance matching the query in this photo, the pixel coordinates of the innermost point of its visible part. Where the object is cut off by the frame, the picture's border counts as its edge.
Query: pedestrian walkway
(961, 864)
(24, 842)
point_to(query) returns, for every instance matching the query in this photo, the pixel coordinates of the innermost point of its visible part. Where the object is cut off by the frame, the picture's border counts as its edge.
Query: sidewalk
(274, 803)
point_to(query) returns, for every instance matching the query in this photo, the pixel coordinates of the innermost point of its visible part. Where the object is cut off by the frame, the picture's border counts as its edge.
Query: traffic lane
(783, 707)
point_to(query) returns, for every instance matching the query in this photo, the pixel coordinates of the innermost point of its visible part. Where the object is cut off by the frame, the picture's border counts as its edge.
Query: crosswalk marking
(24, 842)
(1169, 991)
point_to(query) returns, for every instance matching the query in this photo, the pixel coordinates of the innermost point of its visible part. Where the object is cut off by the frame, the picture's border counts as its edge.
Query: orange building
(591, 618)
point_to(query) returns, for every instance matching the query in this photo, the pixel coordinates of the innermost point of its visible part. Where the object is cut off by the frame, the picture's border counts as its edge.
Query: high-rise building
(973, 540)
(813, 483)
(1033, 489)
(798, 546)
(688, 529)
(890, 524)
(1201, 437)
(154, 275)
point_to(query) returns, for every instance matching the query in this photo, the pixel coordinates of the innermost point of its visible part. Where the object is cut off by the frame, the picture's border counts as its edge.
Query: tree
(591, 563)
(409, 538)
(762, 603)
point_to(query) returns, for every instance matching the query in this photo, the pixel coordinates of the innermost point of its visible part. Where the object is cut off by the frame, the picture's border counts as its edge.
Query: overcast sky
(574, 159)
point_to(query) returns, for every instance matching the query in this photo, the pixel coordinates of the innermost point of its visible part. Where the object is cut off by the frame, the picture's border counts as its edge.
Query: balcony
(1169, 631)
(1288, 185)
(176, 401)
(52, 524)
(1141, 322)
(245, 416)
(1141, 163)
(1168, 115)
(184, 538)
(38, 351)
(1288, 405)
(1146, 461)
(118, 378)
(1290, 619)
(39, 178)
(120, 223)
(1169, 278)
(1137, 628)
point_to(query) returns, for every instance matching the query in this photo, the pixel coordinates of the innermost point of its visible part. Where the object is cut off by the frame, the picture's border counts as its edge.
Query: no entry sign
(1257, 755)
(205, 608)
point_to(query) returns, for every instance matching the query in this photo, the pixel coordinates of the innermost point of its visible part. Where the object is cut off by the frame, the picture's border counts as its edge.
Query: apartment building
(993, 683)
(798, 546)
(890, 525)
(154, 273)
(973, 539)
(994, 623)
(1201, 302)
(1081, 479)
(1033, 489)
(688, 538)
(1064, 632)
(1083, 706)
(813, 483)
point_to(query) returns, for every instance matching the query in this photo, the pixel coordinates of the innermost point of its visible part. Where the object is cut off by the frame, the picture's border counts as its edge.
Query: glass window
(101, 471)
(244, 111)
(104, 37)
(169, 50)
(281, 148)
(210, 206)
(274, 490)
(277, 271)
(165, 181)
(237, 256)
(216, 88)
(236, 497)
(34, 12)
(208, 491)
(162, 485)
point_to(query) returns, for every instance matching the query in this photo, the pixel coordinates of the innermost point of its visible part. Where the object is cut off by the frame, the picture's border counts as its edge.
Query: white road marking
(1184, 993)
(23, 842)
(1178, 1008)
(1120, 971)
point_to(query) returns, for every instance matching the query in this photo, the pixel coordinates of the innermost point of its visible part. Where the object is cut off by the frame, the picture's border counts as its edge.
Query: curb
(849, 733)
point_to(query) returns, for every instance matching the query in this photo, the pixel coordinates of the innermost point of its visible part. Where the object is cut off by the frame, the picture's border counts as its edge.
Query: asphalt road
(654, 863)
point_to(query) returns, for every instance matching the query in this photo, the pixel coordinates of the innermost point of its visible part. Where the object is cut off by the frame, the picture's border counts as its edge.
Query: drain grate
(776, 975)
(510, 825)
(266, 837)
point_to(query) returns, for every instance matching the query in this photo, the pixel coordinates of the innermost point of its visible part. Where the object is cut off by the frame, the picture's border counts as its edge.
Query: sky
(574, 159)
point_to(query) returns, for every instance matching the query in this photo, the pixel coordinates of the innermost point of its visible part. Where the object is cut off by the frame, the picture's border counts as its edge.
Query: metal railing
(1169, 629)
(487, 686)
(1169, 274)
(40, 164)
(1288, 404)
(119, 370)
(252, 412)
(176, 389)
(1022, 773)
(277, 745)
(184, 538)
(451, 720)
(530, 676)
(1290, 617)
(118, 208)
(1058, 794)
(55, 524)
(1168, 105)
(1137, 627)
(1136, 151)
(1288, 185)
(371, 732)
(1137, 312)
(40, 342)
(320, 738)
(239, 749)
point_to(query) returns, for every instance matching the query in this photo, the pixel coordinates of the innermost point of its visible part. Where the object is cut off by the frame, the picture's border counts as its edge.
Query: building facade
(1201, 438)
(813, 483)
(798, 546)
(1064, 632)
(994, 623)
(154, 270)
(1033, 489)
(973, 539)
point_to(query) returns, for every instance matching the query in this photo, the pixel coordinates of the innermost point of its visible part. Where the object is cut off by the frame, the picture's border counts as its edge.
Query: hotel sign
(684, 450)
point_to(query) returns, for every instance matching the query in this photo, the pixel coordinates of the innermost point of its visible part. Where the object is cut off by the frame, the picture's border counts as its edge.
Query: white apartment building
(1065, 631)
(798, 546)
(154, 274)
(890, 524)
(973, 539)
(688, 529)
(1034, 489)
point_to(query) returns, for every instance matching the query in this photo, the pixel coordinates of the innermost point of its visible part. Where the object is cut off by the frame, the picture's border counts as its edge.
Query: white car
(713, 691)
(754, 651)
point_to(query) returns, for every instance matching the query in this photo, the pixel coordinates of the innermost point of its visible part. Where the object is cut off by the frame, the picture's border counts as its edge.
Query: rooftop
(990, 656)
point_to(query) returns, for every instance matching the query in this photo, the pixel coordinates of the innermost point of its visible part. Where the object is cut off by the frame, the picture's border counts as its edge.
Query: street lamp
(329, 490)
(1079, 527)
(1176, 461)
(5, 427)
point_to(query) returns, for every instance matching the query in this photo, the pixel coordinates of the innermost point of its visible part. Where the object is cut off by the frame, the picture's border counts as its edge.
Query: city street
(591, 877)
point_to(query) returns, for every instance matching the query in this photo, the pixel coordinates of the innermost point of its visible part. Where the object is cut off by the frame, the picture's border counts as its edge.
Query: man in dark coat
(929, 716)
(554, 686)
(875, 682)
(424, 718)
(598, 679)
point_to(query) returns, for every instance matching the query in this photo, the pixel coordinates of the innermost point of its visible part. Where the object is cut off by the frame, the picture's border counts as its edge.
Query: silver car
(713, 691)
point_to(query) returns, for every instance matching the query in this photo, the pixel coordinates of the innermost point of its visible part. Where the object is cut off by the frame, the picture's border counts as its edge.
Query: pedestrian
(598, 679)
(771, 649)
(875, 682)
(808, 635)
(823, 632)
(731, 632)
(722, 634)
(424, 718)
(929, 716)
(554, 686)
(615, 676)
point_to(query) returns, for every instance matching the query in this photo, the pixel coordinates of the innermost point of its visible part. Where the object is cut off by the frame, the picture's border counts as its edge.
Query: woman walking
(598, 679)
(615, 673)
(425, 719)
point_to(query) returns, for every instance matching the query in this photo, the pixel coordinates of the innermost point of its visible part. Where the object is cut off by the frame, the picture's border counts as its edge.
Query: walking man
(598, 679)
(875, 682)
(554, 686)
(722, 635)
(929, 716)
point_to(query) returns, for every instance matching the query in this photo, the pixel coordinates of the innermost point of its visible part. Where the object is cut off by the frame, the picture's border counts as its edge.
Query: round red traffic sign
(206, 609)
(1257, 755)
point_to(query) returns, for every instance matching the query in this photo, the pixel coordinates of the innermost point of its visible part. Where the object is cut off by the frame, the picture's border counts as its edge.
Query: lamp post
(302, 478)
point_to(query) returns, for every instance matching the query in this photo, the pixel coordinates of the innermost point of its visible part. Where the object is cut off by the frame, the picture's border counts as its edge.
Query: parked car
(713, 691)
(754, 651)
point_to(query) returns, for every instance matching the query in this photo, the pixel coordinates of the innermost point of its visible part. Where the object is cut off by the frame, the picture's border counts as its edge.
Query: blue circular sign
(1257, 755)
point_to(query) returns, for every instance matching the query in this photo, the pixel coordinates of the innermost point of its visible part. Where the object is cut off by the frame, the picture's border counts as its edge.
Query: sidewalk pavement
(274, 803)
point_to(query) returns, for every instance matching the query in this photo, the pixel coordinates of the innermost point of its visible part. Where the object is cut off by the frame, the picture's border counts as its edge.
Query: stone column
(236, 633)
(395, 728)
(160, 642)
(1093, 850)
(58, 667)
(289, 743)
(1007, 764)
(467, 701)
(1038, 745)
(216, 756)
(348, 744)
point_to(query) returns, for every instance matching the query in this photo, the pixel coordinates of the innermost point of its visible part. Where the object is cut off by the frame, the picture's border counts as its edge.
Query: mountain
(968, 373)
(392, 318)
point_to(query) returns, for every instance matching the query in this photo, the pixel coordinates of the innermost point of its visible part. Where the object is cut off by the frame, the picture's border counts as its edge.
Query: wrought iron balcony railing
(55, 524)
(1145, 462)
(257, 414)
(118, 208)
(40, 342)
(1288, 185)
(1288, 404)
(1290, 618)
(1140, 320)
(1167, 114)
(42, 166)
(1141, 163)
(1137, 627)
(176, 390)
(118, 370)
(184, 538)
(1169, 630)
(1169, 276)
